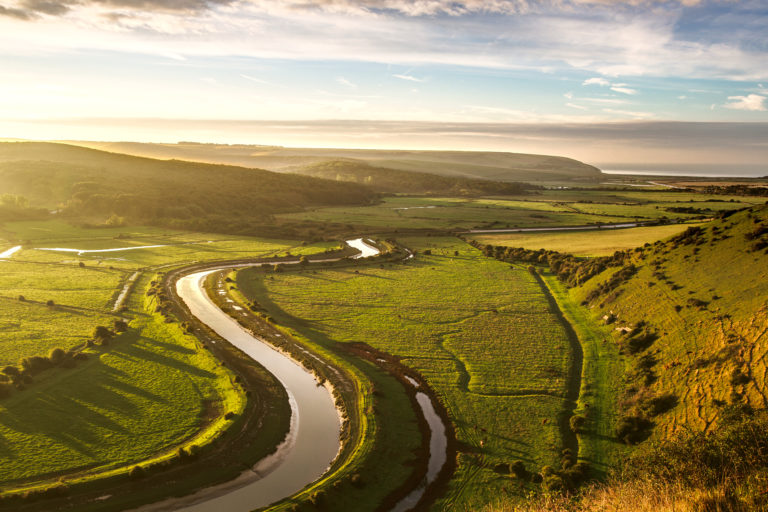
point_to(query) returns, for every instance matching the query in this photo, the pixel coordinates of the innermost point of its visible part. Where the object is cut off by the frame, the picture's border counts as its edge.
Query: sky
(678, 82)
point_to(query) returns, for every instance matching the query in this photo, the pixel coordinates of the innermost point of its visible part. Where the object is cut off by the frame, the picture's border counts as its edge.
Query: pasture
(147, 392)
(584, 243)
(480, 332)
(544, 208)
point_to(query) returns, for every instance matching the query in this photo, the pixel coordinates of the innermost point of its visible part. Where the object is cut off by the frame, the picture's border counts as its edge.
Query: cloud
(254, 79)
(31, 9)
(573, 105)
(346, 83)
(623, 90)
(597, 81)
(753, 102)
(409, 78)
(633, 114)
(9, 12)
(568, 95)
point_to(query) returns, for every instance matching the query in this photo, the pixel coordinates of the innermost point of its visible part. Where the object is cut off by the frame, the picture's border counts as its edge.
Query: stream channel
(313, 441)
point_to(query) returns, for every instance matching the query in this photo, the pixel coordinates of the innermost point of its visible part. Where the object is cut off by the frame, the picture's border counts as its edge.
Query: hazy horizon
(671, 83)
(707, 149)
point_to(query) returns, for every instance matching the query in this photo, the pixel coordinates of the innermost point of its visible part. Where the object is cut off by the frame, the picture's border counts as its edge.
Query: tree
(12, 371)
(57, 355)
(102, 334)
(303, 261)
(576, 422)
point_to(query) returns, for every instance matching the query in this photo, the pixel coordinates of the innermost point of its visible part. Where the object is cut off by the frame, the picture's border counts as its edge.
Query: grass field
(178, 247)
(584, 243)
(150, 390)
(481, 333)
(549, 207)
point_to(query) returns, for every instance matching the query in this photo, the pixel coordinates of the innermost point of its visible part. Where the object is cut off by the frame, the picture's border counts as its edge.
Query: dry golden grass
(637, 496)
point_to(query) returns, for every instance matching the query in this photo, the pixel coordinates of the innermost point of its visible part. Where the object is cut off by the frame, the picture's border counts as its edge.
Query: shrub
(519, 470)
(57, 355)
(501, 468)
(22, 298)
(576, 422)
(12, 371)
(121, 325)
(35, 364)
(633, 429)
(50, 303)
(102, 334)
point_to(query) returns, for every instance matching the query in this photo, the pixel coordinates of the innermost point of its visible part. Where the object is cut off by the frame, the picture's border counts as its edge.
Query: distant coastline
(739, 172)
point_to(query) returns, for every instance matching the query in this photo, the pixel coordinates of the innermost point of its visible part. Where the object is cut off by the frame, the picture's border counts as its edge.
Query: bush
(576, 422)
(34, 364)
(57, 355)
(121, 325)
(519, 470)
(50, 303)
(633, 429)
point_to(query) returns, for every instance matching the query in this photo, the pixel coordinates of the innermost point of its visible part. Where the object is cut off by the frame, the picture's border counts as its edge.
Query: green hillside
(382, 179)
(690, 315)
(485, 165)
(95, 184)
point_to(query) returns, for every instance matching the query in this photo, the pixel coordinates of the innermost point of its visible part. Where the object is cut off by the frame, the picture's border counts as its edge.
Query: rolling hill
(690, 315)
(496, 166)
(95, 184)
(387, 180)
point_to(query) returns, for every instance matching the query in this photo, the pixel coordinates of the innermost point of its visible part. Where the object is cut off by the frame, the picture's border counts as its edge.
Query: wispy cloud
(623, 90)
(409, 78)
(753, 102)
(579, 107)
(346, 83)
(632, 114)
(597, 81)
(254, 79)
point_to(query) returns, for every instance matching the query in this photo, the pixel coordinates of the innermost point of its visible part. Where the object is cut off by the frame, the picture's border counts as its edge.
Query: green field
(703, 296)
(584, 243)
(147, 392)
(178, 247)
(481, 333)
(547, 208)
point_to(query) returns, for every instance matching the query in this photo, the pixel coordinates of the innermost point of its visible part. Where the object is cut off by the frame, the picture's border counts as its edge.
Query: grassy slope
(387, 180)
(501, 378)
(596, 243)
(603, 367)
(483, 165)
(98, 183)
(701, 344)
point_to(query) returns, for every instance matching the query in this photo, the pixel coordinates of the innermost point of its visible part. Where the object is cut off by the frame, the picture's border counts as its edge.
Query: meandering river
(313, 441)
